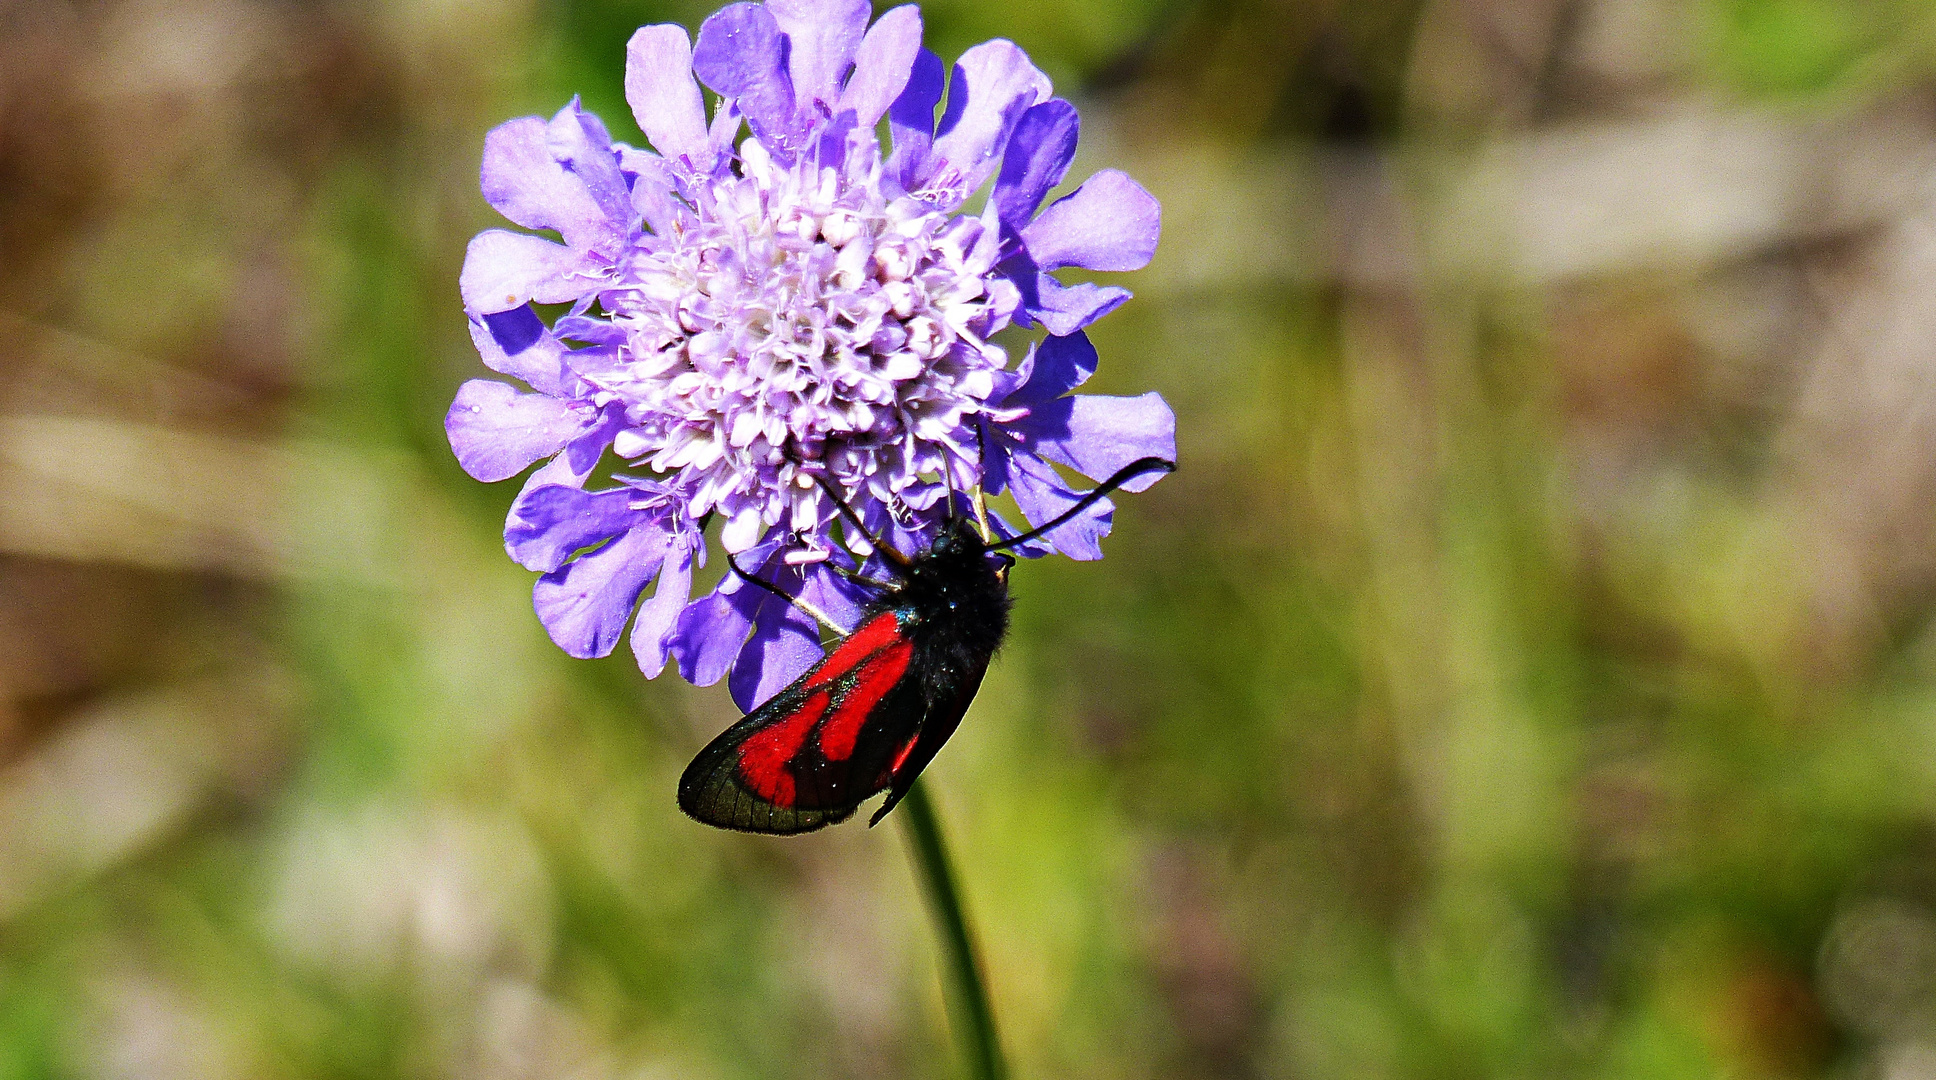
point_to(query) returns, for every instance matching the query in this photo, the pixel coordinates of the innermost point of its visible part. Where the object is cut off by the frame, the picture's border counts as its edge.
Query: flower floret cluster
(767, 306)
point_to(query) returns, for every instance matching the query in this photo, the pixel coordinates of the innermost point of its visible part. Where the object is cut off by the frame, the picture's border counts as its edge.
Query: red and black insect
(872, 714)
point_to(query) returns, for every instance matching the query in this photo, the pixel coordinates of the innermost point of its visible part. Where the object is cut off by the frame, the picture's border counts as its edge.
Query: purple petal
(652, 187)
(987, 249)
(653, 628)
(587, 329)
(664, 99)
(707, 636)
(1037, 159)
(497, 431)
(785, 643)
(585, 605)
(1064, 309)
(882, 66)
(516, 343)
(553, 522)
(552, 473)
(556, 471)
(1029, 549)
(1051, 369)
(726, 121)
(993, 85)
(994, 465)
(837, 597)
(910, 120)
(584, 450)
(578, 141)
(832, 142)
(504, 269)
(742, 55)
(754, 560)
(1109, 223)
(525, 183)
(596, 365)
(711, 629)
(824, 35)
(1096, 435)
(1042, 498)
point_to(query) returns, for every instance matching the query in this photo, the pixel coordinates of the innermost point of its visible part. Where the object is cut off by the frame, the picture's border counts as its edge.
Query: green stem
(967, 995)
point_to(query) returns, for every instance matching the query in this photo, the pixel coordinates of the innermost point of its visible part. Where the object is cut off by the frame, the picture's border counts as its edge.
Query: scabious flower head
(753, 315)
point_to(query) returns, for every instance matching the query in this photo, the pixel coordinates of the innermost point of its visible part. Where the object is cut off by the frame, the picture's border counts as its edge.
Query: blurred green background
(1530, 673)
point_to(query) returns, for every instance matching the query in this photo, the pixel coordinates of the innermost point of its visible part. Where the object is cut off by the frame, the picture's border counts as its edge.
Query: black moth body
(876, 709)
(948, 612)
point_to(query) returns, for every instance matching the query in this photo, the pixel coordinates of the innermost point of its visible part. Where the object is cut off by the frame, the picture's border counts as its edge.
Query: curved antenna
(887, 550)
(1122, 476)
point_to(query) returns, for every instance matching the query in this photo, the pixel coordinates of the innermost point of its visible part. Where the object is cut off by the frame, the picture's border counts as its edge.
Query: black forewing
(722, 785)
(712, 792)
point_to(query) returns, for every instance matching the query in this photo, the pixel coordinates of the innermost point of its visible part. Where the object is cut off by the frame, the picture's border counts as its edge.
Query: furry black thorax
(953, 602)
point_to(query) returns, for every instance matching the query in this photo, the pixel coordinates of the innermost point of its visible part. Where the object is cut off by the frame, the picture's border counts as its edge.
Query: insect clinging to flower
(776, 324)
(872, 714)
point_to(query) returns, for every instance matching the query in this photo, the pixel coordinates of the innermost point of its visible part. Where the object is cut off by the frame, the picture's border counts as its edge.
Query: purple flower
(751, 317)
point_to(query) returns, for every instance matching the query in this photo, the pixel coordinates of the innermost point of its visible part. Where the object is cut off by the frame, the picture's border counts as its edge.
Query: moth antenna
(887, 550)
(1122, 476)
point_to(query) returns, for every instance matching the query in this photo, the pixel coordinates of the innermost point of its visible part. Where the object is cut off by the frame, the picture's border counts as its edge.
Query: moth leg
(980, 501)
(980, 498)
(818, 615)
(1008, 563)
(857, 576)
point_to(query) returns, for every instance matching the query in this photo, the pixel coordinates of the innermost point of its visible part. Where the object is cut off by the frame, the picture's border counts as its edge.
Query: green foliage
(1791, 47)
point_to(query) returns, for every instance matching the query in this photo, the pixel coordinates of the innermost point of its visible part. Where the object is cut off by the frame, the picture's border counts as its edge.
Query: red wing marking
(901, 755)
(764, 758)
(877, 675)
(880, 632)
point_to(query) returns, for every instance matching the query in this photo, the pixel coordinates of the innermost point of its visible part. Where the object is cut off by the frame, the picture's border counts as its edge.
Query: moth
(874, 712)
